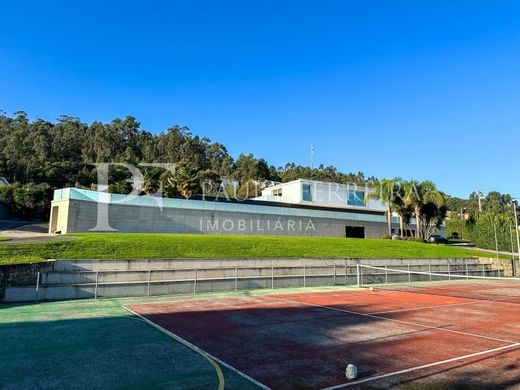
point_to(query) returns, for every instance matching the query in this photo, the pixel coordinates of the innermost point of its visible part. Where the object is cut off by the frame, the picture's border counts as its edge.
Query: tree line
(60, 154)
(487, 221)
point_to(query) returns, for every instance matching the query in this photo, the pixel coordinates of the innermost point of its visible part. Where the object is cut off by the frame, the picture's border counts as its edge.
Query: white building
(318, 193)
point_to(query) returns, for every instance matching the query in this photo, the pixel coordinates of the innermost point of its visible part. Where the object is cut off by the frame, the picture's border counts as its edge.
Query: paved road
(27, 232)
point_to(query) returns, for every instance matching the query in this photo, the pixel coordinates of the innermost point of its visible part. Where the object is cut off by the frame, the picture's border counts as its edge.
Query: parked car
(455, 236)
(437, 239)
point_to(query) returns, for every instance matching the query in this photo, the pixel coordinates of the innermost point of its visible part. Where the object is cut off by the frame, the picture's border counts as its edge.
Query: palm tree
(384, 191)
(416, 195)
(400, 207)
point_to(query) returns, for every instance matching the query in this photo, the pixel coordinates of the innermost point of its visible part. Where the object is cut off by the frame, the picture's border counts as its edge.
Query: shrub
(27, 201)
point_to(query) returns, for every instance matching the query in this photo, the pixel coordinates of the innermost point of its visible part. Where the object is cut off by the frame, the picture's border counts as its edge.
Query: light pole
(496, 238)
(517, 236)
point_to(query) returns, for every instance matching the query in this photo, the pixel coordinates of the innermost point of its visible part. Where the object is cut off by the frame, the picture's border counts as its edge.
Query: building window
(356, 198)
(306, 192)
(277, 192)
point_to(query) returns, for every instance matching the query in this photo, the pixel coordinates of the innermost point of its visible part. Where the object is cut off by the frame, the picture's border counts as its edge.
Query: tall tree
(384, 190)
(417, 195)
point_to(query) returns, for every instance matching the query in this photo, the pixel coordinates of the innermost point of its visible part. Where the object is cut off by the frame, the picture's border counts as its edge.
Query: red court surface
(305, 340)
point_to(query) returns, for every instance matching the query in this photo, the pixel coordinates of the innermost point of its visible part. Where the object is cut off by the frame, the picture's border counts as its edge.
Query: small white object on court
(351, 371)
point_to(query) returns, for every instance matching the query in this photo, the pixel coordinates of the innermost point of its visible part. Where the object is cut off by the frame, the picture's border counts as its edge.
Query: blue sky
(411, 89)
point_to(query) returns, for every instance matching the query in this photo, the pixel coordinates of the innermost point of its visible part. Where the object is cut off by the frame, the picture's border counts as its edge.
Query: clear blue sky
(413, 89)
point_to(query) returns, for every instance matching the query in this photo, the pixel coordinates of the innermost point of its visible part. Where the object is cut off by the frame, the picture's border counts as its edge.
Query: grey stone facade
(82, 216)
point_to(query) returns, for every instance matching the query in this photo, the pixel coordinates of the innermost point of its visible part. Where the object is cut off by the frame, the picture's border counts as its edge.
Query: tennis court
(427, 328)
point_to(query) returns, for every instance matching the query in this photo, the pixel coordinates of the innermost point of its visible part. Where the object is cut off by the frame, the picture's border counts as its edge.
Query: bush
(27, 201)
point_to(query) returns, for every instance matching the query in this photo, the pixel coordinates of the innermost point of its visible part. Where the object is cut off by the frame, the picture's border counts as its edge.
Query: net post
(334, 279)
(236, 278)
(386, 273)
(149, 281)
(358, 275)
(97, 284)
(36, 292)
(304, 276)
(195, 281)
(272, 277)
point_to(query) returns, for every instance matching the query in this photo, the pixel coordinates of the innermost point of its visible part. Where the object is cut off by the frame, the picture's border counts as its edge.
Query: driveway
(20, 232)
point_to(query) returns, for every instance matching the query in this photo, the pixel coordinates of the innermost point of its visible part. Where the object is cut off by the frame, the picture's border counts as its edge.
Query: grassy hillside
(121, 246)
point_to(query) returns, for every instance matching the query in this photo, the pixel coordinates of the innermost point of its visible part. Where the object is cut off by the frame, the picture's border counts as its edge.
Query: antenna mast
(312, 156)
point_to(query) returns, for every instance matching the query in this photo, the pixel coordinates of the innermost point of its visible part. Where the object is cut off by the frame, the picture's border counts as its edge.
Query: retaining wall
(70, 279)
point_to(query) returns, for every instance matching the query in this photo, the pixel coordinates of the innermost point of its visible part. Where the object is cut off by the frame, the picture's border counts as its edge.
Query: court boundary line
(213, 360)
(406, 322)
(422, 367)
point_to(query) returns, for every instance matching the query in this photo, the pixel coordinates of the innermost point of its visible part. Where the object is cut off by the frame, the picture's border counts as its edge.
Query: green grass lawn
(128, 245)
(2, 238)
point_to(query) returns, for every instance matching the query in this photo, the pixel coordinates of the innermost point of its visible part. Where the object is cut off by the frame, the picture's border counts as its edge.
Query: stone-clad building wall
(82, 216)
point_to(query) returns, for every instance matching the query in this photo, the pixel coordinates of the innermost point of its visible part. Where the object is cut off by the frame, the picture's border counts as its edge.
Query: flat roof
(328, 183)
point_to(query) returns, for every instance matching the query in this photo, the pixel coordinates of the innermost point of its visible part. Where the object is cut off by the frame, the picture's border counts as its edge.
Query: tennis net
(502, 289)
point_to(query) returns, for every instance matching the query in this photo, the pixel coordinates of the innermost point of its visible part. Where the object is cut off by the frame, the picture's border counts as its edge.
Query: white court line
(405, 322)
(200, 351)
(382, 376)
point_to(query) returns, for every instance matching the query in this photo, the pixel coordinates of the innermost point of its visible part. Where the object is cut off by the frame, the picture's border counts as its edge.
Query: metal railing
(97, 284)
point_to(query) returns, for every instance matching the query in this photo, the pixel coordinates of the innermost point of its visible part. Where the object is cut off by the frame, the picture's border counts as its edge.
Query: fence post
(149, 281)
(345, 273)
(272, 276)
(236, 278)
(304, 276)
(195, 282)
(409, 274)
(449, 271)
(483, 270)
(467, 272)
(37, 286)
(358, 275)
(386, 274)
(499, 273)
(430, 270)
(334, 280)
(97, 283)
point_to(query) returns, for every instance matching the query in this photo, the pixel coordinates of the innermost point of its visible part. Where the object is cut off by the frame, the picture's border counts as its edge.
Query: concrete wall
(72, 279)
(66, 265)
(59, 219)
(21, 275)
(507, 267)
(82, 216)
